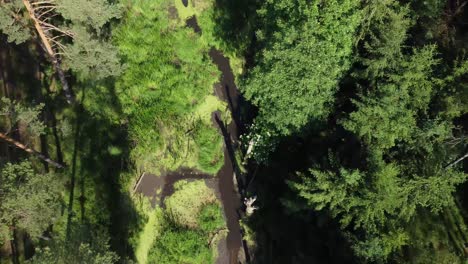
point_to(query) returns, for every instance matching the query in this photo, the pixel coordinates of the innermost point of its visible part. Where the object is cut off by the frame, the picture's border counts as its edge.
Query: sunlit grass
(166, 90)
(148, 235)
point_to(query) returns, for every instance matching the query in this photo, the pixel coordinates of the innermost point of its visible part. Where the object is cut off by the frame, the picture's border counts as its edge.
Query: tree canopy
(31, 201)
(305, 51)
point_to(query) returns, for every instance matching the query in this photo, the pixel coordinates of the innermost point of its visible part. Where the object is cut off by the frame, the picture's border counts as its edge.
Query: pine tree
(30, 200)
(71, 38)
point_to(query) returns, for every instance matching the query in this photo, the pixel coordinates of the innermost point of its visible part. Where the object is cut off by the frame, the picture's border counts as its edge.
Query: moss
(188, 200)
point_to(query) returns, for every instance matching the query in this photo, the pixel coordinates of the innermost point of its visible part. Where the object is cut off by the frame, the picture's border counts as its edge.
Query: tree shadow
(96, 150)
(297, 234)
(99, 157)
(234, 22)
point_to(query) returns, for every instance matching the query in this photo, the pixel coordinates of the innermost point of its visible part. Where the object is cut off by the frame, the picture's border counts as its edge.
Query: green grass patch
(180, 245)
(185, 204)
(210, 218)
(206, 15)
(147, 236)
(166, 89)
(191, 227)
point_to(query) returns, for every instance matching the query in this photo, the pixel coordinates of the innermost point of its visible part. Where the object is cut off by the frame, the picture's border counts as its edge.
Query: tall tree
(306, 48)
(404, 116)
(30, 200)
(83, 246)
(70, 39)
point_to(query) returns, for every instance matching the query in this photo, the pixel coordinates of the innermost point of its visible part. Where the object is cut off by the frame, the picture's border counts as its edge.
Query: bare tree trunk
(457, 161)
(50, 51)
(19, 145)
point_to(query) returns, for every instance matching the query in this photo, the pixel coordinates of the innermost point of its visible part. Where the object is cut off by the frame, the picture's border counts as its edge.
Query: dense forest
(233, 131)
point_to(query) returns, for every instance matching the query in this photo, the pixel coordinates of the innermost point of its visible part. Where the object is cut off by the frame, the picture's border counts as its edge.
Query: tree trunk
(19, 145)
(50, 52)
(457, 161)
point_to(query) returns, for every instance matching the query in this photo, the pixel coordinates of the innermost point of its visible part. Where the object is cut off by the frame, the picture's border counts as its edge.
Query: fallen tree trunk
(19, 145)
(48, 46)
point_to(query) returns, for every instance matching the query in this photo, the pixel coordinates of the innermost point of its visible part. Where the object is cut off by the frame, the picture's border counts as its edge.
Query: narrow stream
(227, 91)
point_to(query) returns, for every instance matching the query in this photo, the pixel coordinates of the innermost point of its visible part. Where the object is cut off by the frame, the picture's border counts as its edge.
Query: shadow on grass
(96, 150)
(99, 157)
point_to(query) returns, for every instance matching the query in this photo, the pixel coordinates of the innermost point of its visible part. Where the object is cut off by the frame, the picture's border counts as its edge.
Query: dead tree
(41, 12)
(19, 145)
(250, 208)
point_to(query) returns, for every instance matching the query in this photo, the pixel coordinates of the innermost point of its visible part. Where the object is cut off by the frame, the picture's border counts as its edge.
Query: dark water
(227, 91)
(173, 177)
(193, 23)
(149, 186)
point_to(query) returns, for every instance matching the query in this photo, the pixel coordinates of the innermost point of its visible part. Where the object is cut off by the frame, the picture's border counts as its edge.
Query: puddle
(193, 24)
(150, 185)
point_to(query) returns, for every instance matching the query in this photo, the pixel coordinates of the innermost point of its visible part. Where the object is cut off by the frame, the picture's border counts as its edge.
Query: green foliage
(180, 245)
(95, 13)
(376, 249)
(12, 23)
(380, 203)
(383, 33)
(210, 159)
(15, 113)
(76, 250)
(389, 111)
(210, 218)
(306, 54)
(186, 235)
(166, 91)
(31, 201)
(90, 54)
(182, 208)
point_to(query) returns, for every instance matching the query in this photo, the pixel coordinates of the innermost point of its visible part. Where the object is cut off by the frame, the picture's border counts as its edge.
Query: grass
(204, 11)
(192, 218)
(147, 236)
(166, 93)
(188, 200)
(166, 90)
